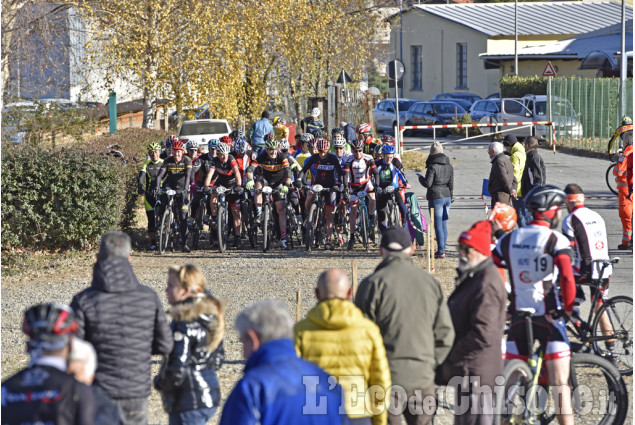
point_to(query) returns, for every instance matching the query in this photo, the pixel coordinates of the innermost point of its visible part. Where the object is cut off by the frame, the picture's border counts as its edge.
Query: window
(461, 65)
(382, 106)
(417, 65)
(492, 107)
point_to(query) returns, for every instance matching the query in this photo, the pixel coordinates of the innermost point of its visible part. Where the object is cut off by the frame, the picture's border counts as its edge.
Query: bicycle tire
(198, 224)
(620, 313)
(266, 227)
(610, 178)
(310, 227)
(164, 231)
(518, 378)
(248, 217)
(291, 227)
(221, 228)
(614, 149)
(363, 224)
(603, 380)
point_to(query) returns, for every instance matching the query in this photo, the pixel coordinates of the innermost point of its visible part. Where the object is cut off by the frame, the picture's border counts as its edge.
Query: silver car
(386, 116)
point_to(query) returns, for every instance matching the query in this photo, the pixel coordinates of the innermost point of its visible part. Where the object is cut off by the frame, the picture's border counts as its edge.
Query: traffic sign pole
(550, 72)
(396, 109)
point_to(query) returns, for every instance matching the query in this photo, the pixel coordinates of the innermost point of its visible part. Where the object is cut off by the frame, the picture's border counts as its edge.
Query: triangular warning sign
(549, 71)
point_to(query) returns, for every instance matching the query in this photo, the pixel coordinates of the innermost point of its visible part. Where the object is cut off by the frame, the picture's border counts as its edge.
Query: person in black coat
(502, 183)
(126, 324)
(439, 180)
(535, 173)
(187, 379)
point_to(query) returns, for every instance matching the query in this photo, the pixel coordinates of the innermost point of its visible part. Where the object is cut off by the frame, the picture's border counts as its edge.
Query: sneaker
(236, 243)
(328, 246)
(283, 244)
(439, 254)
(613, 358)
(623, 247)
(351, 244)
(186, 248)
(153, 245)
(258, 218)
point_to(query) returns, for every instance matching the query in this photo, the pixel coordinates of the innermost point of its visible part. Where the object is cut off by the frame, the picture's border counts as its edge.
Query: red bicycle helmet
(227, 140)
(323, 144)
(364, 128)
(49, 326)
(358, 144)
(177, 146)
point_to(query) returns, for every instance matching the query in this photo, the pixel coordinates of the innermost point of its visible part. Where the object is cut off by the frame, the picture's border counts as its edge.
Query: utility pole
(623, 64)
(516, 37)
(401, 45)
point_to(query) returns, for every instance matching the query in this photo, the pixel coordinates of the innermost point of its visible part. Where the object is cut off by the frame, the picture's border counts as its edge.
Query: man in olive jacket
(126, 324)
(337, 337)
(502, 183)
(408, 306)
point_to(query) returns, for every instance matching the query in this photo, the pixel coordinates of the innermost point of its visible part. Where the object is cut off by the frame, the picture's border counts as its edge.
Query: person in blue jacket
(278, 387)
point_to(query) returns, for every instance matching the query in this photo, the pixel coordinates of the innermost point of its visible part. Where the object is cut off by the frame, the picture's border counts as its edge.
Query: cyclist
(535, 256)
(211, 147)
(177, 172)
(364, 131)
(623, 173)
(296, 169)
(191, 149)
(341, 149)
(203, 164)
(227, 174)
(325, 170)
(311, 124)
(389, 175)
(587, 232)
(227, 140)
(44, 393)
(357, 177)
(168, 147)
(275, 173)
(147, 182)
(243, 154)
(307, 149)
(236, 134)
(280, 129)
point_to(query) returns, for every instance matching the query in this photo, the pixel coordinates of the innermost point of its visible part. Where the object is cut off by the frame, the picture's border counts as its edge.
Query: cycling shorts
(276, 196)
(368, 187)
(330, 199)
(580, 296)
(552, 337)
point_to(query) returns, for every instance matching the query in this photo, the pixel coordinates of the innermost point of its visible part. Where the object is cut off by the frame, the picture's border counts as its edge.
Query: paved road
(471, 166)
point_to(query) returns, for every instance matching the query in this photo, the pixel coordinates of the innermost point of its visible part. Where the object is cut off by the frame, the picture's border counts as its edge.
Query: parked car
(201, 131)
(494, 96)
(512, 111)
(567, 122)
(469, 97)
(385, 115)
(485, 107)
(433, 112)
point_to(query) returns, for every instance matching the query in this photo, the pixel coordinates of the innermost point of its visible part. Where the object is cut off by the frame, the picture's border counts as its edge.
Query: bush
(464, 119)
(517, 86)
(67, 198)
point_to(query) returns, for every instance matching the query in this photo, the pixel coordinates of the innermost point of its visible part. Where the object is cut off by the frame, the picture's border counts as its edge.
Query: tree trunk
(149, 108)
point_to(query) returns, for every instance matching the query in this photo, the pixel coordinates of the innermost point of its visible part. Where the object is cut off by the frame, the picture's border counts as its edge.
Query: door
(513, 111)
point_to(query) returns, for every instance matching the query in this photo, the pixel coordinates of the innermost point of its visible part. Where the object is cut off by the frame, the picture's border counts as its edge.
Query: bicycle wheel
(599, 393)
(610, 178)
(164, 230)
(198, 225)
(614, 149)
(311, 227)
(266, 227)
(510, 403)
(221, 227)
(363, 227)
(291, 227)
(248, 218)
(620, 313)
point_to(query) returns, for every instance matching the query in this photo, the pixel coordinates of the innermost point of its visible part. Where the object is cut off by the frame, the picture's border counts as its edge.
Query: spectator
(126, 324)
(534, 174)
(187, 379)
(312, 124)
(278, 387)
(259, 130)
(439, 180)
(397, 296)
(502, 183)
(477, 307)
(49, 328)
(349, 131)
(82, 364)
(280, 128)
(337, 337)
(623, 173)
(517, 156)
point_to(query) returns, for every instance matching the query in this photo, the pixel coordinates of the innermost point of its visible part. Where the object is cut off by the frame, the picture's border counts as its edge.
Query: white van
(201, 131)
(566, 121)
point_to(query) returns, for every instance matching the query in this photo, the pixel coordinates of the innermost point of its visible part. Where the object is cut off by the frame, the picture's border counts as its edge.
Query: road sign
(340, 80)
(549, 71)
(390, 69)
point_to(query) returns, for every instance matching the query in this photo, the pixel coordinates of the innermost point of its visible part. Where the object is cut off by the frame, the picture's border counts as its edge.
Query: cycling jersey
(149, 172)
(43, 394)
(224, 172)
(359, 170)
(587, 232)
(275, 171)
(344, 159)
(326, 172)
(295, 167)
(310, 126)
(535, 255)
(244, 161)
(177, 174)
(390, 175)
(281, 132)
(204, 163)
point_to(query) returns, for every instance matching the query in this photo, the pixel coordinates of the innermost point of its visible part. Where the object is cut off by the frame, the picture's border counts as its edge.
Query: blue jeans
(133, 411)
(521, 212)
(192, 417)
(441, 215)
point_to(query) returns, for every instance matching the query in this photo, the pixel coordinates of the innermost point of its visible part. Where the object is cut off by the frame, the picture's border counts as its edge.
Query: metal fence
(596, 104)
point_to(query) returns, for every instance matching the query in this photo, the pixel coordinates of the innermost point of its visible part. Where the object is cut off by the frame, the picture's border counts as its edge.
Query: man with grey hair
(408, 306)
(126, 324)
(278, 387)
(502, 183)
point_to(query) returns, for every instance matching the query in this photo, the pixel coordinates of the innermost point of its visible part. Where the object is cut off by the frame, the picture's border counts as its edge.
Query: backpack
(416, 221)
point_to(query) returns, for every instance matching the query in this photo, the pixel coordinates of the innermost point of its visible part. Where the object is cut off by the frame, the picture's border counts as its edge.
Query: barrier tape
(500, 124)
(478, 198)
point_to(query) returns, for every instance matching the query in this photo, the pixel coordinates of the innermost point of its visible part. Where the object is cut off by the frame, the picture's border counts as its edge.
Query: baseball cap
(478, 237)
(509, 140)
(396, 239)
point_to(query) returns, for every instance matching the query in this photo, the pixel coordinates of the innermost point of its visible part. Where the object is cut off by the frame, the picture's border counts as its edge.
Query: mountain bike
(266, 221)
(618, 311)
(393, 215)
(200, 218)
(293, 224)
(247, 214)
(362, 227)
(315, 233)
(598, 392)
(220, 227)
(341, 221)
(169, 226)
(614, 149)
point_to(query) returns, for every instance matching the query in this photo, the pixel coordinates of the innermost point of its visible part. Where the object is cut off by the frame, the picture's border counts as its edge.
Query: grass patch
(36, 263)
(414, 160)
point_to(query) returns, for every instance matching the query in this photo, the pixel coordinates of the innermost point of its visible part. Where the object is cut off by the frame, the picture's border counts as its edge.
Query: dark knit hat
(396, 239)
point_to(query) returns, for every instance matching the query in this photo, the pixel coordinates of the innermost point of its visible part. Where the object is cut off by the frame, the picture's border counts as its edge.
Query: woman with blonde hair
(187, 379)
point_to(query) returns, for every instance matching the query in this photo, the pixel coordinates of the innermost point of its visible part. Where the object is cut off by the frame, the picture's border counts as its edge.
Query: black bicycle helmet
(49, 326)
(544, 198)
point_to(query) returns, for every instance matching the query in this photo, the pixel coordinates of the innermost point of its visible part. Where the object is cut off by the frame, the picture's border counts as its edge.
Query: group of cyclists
(341, 167)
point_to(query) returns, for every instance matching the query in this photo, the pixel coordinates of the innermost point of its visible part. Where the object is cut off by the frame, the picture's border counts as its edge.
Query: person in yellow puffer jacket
(518, 157)
(337, 337)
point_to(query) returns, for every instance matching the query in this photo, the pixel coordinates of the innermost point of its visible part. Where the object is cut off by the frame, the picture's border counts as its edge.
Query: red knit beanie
(478, 237)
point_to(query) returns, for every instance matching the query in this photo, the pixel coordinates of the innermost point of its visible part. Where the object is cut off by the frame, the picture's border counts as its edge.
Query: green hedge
(517, 86)
(60, 199)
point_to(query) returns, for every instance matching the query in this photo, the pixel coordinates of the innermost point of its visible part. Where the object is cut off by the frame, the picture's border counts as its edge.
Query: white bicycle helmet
(315, 112)
(339, 141)
(223, 149)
